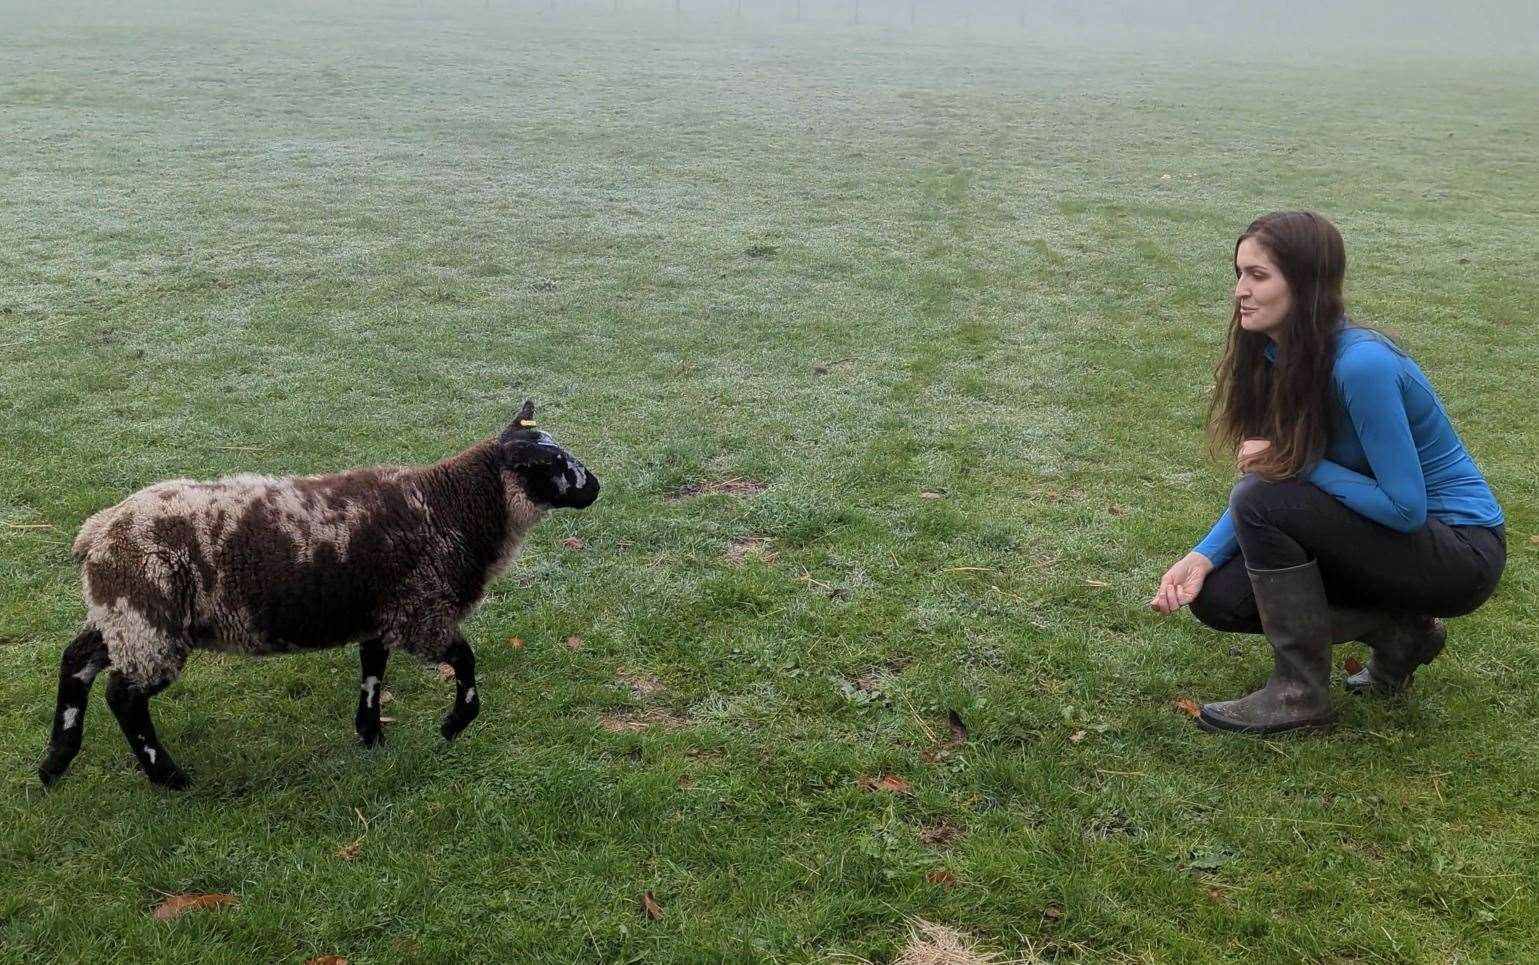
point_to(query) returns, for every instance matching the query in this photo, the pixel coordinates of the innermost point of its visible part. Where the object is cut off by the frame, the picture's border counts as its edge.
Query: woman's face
(1260, 290)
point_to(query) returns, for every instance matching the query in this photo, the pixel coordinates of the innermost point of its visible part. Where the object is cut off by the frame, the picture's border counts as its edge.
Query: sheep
(393, 557)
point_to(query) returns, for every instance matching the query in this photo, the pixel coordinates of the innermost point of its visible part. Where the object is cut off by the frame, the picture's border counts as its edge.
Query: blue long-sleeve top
(1393, 454)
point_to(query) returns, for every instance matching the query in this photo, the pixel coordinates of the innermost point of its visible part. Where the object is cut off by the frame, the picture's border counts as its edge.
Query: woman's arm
(1396, 494)
(1220, 545)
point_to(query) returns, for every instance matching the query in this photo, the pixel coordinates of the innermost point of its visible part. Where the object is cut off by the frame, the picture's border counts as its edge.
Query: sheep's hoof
(53, 765)
(453, 726)
(173, 780)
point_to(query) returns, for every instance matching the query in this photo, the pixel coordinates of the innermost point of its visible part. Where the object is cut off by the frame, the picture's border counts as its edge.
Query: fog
(1269, 30)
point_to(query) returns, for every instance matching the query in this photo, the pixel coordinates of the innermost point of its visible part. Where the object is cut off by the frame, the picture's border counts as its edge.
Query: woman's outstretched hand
(1181, 583)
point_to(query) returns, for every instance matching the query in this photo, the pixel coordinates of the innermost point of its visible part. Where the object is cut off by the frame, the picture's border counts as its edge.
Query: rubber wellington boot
(1296, 619)
(1403, 644)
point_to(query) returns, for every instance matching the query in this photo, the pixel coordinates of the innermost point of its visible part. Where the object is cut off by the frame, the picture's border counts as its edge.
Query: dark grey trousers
(1439, 570)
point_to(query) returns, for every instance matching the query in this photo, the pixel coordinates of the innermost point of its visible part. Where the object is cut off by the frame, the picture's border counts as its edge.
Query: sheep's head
(549, 475)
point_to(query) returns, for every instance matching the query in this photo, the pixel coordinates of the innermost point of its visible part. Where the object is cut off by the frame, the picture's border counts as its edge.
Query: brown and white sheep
(394, 557)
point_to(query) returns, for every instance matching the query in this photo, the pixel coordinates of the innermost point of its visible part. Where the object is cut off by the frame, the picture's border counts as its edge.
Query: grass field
(955, 305)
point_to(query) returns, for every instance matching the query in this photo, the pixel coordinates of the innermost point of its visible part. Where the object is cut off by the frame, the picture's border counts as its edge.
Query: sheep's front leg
(371, 659)
(466, 704)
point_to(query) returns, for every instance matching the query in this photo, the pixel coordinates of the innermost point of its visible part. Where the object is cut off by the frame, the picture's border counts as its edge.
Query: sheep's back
(256, 563)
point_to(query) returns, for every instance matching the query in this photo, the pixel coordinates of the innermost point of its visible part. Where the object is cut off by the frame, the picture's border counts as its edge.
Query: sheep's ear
(522, 427)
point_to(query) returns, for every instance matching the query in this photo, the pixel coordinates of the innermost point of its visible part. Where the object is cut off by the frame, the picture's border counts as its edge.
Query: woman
(1360, 516)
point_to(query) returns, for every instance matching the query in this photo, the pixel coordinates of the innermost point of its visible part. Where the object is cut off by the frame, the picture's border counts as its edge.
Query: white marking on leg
(470, 695)
(71, 714)
(87, 673)
(369, 684)
(150, 753)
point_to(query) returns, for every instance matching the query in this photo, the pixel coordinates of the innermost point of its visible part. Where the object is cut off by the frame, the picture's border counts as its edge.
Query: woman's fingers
(1176, 590)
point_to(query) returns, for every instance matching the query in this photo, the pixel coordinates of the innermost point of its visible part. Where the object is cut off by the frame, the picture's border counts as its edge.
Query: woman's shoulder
(1362, 353)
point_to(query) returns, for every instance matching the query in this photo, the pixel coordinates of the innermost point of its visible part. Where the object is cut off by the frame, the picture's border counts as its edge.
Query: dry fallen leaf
(685, 782)
(447, 672)
(351, 851)
(326, 960)
(574, 543)
(516, 643)
(649, 902)
(1351, 665)
(1078, 736)
(1218, 895)
(385, 697)
(891, 783)
(942, 834)
(1096, 583)
(176, 904)
(941, 876)
(1534, 539)
(572, 643)
(1188, 706)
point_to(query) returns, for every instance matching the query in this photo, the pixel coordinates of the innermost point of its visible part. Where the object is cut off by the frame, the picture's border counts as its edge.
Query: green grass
(857, 265)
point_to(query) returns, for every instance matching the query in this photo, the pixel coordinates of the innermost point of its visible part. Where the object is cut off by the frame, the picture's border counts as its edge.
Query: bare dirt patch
(942, 834)
(932, 944)
(629, 721)
(643, 685)
(730, 486)
(743, 548)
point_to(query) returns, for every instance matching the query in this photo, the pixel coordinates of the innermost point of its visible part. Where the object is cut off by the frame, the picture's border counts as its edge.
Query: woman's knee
(1254, 496)
(1225, 616)
(1250, 495)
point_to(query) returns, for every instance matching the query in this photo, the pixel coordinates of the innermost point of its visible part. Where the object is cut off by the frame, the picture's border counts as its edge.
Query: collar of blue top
(1271, 347)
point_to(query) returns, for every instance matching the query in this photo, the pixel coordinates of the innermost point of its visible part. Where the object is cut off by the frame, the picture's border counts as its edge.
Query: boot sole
(1374, 688)
(1217, 725)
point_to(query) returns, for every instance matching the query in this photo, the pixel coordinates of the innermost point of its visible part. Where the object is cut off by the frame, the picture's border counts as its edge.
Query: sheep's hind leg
(371, 659)
(83, 659)
(130, 704)
(466, 704)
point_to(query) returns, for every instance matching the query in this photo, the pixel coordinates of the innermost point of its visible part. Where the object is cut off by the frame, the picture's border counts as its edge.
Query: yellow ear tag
(527, 423)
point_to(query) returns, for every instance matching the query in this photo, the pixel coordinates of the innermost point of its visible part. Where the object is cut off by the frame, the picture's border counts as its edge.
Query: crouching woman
(1360, 516)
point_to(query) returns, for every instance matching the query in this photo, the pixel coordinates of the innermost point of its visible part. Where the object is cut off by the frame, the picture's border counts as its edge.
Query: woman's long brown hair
(1288, 402)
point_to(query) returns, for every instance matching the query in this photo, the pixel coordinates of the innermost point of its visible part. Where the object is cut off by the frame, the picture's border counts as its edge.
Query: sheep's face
(549, 475)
